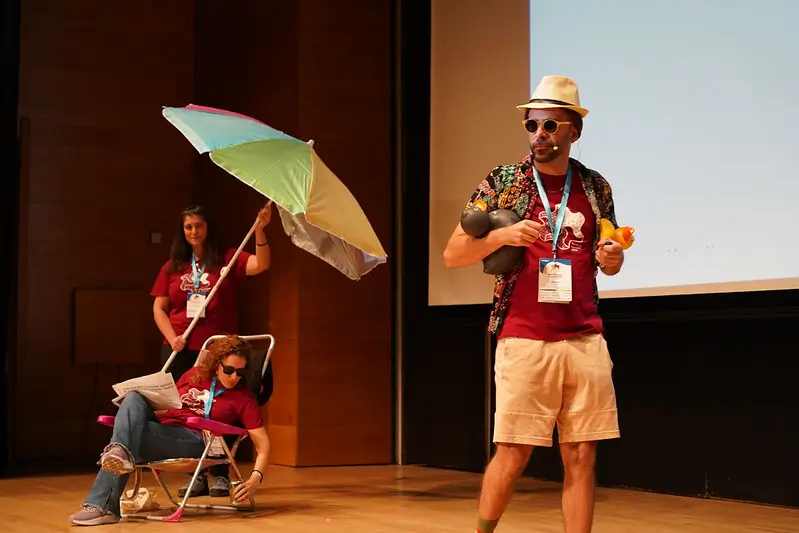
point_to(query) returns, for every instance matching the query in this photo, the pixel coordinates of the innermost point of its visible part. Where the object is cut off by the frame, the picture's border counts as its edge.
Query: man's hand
(610, 257)
(463, 250)
(523, 233)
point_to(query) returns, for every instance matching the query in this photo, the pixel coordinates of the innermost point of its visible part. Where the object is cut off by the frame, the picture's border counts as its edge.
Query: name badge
(194, 301)
(554, 280)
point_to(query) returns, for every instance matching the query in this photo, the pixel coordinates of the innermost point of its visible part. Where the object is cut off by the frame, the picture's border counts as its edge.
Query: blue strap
(561, 213)
(212, 394)
(198, 272)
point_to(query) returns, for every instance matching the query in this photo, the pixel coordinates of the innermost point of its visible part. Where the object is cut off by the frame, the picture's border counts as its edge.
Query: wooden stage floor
(389, 499)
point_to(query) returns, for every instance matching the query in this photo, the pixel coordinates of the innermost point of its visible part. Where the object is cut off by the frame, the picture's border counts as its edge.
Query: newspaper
(159, 389)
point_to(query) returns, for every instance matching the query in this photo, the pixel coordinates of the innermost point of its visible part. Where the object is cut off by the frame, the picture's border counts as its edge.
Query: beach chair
(213, 432)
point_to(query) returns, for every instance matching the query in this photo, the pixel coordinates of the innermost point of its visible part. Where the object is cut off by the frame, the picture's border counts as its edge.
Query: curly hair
(217, 351)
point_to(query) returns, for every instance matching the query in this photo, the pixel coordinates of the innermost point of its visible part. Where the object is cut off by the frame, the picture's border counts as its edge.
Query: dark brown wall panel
(101, 169)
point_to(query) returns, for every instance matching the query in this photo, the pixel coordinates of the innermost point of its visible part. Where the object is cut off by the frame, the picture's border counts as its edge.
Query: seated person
(221, 484)
(143, 435)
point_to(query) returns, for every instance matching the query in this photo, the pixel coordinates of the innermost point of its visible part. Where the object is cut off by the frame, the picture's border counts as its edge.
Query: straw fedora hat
(556, 91)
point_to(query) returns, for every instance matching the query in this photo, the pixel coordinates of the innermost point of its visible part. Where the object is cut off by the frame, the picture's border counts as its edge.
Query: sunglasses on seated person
(241, 372)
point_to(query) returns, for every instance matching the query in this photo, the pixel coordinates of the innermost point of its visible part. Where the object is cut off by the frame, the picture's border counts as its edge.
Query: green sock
(486, 526)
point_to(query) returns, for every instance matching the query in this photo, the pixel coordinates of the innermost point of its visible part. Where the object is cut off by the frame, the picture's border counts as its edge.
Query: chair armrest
(216, 428)
(106, 420)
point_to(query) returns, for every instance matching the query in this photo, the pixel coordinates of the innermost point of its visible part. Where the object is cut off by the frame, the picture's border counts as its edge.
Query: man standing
(552, 362)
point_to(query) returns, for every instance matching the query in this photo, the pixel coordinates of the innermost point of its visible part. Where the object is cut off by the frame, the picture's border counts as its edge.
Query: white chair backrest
(266, 337)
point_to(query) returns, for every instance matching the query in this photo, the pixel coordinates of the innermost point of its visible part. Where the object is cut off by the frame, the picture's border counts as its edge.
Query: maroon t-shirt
(529, 319)
(235, 407)
(220, 314)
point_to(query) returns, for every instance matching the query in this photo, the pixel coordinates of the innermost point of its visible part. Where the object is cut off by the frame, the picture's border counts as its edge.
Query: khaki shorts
(542, 383)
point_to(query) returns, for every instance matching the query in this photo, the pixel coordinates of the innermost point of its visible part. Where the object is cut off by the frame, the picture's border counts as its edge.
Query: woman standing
(181, 288)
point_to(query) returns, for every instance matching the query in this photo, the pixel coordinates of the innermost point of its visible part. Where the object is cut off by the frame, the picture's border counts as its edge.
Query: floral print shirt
(513, 187)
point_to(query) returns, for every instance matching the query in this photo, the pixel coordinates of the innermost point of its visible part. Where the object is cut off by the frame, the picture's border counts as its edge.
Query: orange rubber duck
(624, 235)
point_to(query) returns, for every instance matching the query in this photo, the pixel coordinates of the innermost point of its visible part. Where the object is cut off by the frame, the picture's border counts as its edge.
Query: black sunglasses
(241, 372)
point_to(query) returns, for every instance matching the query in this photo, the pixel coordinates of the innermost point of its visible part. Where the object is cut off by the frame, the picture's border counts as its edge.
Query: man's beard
(544, 156)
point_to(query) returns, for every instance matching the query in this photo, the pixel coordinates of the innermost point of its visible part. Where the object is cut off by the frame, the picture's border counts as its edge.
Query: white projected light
(693, 117)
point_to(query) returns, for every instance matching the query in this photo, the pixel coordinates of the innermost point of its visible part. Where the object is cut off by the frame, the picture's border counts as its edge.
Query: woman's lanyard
(198, 272)
(211, 395)
(561, 212)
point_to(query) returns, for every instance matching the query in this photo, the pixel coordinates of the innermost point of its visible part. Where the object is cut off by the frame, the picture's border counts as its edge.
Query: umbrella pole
(213, 291)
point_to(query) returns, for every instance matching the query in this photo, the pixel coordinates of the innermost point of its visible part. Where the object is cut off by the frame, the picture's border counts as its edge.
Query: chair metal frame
(211, 431)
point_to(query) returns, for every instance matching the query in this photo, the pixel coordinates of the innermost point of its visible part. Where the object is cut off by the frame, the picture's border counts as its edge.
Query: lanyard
(197, 272)
(211, 395)
(561, 212)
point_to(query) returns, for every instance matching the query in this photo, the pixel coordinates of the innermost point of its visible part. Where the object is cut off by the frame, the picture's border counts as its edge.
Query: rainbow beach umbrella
(317, 210)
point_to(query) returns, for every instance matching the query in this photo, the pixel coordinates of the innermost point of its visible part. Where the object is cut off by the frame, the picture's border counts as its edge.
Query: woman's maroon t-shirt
(220, 314)
(236, 407)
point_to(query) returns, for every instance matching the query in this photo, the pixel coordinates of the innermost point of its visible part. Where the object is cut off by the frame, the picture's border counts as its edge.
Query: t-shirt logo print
(194, 400)
(566, 240)
(187, 283)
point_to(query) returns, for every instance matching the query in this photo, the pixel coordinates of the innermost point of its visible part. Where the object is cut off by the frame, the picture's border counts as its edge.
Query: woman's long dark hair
(180, 254)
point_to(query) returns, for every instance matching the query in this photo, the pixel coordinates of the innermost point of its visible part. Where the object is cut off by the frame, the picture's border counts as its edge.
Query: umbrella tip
(310, 143)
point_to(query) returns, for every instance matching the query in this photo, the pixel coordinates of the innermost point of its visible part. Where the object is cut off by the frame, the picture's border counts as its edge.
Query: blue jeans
(137, 429)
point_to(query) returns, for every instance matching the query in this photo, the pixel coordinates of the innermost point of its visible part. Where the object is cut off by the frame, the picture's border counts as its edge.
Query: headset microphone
(555, 147)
